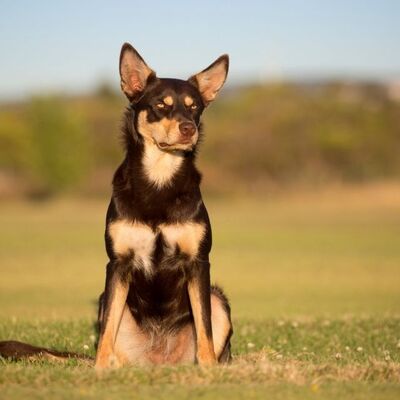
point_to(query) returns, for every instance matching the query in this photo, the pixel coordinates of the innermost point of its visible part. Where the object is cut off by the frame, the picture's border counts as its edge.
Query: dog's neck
(153, 186)
(160, 166)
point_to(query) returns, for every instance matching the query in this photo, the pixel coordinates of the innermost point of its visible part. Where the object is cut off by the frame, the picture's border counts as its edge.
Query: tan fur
(170, 126)
(144, 127)
(164, 131)
(187, 236)
(168, 100)
(188, 101)
(140, 238)
(173, 348)
(106, 356)
(181, 346)
(160, 166)
(133, 236)
(205, 345)
(131, 342)
(137, 347)
(220, 324)
(133, 346)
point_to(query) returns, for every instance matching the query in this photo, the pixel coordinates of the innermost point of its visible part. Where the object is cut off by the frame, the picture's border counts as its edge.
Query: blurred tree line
(256, 136)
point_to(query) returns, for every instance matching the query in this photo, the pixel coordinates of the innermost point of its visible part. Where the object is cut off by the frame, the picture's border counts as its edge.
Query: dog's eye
(160, 105)
(193, 107)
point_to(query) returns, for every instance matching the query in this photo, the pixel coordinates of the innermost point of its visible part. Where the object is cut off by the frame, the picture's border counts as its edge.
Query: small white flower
(92, 338)
(279, 356)
(85, 347)
(304, 348)
(359, 349)
(398, 344)
(250, 345)
(338, 356)
(347, 348)
(295, 324)
(387, 357)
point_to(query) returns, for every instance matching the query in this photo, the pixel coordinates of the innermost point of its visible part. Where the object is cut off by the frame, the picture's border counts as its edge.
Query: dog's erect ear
(210, 80)
(134, 72)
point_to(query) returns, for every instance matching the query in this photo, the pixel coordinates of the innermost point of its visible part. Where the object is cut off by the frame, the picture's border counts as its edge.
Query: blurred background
(300, 160)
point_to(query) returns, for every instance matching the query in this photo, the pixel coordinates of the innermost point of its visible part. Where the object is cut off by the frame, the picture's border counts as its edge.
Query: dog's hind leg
(184, 344)
(135, 346)
(221, 324)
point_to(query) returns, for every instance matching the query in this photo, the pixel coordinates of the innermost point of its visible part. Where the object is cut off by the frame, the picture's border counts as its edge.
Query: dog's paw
(108, 362)
(207, 363)
(206, 360)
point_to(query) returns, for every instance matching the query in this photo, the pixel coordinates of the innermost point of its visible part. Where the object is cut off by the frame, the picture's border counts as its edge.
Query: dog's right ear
(134, 72)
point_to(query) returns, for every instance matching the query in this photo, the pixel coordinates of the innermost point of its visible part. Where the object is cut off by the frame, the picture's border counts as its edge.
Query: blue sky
(71, 46)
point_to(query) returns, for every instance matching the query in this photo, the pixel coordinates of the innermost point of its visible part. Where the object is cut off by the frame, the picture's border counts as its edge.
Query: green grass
(314, 282)
(353, 358)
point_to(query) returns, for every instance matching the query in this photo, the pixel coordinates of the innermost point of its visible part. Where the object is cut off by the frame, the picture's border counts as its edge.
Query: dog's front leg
(116, 292)
(200, 301)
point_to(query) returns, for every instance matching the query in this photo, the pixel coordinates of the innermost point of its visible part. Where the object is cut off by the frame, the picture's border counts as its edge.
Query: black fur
(163, 299)
(15, 350)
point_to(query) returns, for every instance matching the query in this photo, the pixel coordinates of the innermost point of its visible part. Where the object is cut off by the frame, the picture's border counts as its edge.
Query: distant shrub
(255, 136)
(59, 144)
(16, 145)
(289, 133)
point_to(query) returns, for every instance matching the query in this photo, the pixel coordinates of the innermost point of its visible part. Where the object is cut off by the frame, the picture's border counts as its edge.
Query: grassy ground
(313, 278)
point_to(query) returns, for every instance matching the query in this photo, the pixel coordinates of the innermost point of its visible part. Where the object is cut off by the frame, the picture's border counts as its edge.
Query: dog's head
(168, 111)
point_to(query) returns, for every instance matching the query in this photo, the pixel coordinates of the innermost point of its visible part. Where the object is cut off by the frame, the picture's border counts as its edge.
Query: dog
(158, 306)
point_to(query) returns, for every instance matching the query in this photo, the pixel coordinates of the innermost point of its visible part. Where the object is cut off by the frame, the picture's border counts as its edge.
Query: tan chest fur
(140, 239)
(186, 236)
(159, 166)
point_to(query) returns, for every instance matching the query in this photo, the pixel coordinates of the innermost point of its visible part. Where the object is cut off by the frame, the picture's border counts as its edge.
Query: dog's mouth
(184, 144)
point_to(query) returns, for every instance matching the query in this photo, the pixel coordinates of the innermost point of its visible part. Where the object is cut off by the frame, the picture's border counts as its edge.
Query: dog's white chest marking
(140, 239)
(187, 236)
(160, 166)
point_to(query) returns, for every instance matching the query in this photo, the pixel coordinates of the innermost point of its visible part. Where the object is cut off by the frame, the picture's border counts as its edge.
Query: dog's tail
(15, 350)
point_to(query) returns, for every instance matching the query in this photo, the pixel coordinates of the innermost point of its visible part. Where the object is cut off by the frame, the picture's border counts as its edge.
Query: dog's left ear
(211, 80)
(134, 72)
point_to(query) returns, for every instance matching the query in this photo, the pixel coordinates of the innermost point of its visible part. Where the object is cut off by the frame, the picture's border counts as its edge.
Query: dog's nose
(187, 129)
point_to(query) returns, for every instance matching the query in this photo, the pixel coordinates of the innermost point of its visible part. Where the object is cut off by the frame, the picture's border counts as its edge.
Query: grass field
(314, 280)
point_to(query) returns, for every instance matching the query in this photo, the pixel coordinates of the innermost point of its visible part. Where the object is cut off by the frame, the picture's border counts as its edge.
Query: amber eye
(160, 105)
(193, 107)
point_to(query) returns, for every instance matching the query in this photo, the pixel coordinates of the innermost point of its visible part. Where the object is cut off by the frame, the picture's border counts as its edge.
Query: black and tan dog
(158, 305)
